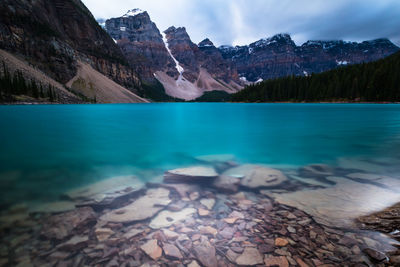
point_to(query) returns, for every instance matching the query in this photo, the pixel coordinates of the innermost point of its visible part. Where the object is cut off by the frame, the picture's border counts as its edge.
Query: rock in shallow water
(227, 184)
(152, 249)
(190, 175)
(172, 252)
(257, 176)
(250, 257)
(143, 208)
(107, 193)
(340, 204)
(205, 253)
(61, 226)
(167, 218)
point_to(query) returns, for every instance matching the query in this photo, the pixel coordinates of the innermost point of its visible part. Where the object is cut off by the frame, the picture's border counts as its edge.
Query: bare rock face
(54, 34)
(143, 208)
(279, 56)
(142, 43)
(185, 70)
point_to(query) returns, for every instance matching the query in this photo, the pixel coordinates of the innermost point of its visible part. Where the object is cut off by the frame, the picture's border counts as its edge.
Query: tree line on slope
(368, 82)
(15, 84)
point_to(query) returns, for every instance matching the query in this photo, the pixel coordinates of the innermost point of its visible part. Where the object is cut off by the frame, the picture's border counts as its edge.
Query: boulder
(143, 208)
(257, 176)
(167, 218)
(341, 204)
(250, 257)
(108, 193)
(227, 184)
(197, 174)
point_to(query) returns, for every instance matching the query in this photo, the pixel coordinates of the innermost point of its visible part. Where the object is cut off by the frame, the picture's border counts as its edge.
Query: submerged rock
(208, 203)
(107, 193)
(256, 176)
(280, 261)
(167, 218)
(316, 171)
(143, 208)
(250, 257)
(53, 207)
(227, 184)
(190, 175)
(172, 252)
(152, 249)
(62, 225)
(103, 234)
(340, 204)
(205, 253)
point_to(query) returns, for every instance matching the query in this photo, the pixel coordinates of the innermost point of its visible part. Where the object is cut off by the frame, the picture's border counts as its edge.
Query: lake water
(72, 191)
(45, 150)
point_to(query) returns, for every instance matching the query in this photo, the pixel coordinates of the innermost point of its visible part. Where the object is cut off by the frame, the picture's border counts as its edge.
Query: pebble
(281, 242)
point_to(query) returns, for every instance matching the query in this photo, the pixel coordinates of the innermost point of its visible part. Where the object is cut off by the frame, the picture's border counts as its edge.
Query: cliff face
(55, 35)
(279, 56)
(142, 44)
(185, 70)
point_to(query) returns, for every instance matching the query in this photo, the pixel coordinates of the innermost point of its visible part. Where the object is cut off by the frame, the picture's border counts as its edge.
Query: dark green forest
(14, 84)
(368, 82)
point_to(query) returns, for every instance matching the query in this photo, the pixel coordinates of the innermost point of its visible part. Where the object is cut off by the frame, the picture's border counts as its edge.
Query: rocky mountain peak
(206, 43)
(278, 39)
(178, 34)
(134, 12)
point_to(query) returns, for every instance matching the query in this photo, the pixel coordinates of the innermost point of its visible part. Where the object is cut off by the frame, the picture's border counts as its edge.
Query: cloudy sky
(239, 22)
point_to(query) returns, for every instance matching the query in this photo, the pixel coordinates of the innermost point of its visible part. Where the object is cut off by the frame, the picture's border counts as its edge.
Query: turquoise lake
(47, 149)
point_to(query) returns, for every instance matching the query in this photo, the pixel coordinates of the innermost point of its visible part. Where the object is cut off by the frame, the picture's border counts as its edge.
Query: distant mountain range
(188, 70)
(59, 44)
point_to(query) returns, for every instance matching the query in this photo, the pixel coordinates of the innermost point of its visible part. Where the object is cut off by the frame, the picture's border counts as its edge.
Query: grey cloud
(244, 21)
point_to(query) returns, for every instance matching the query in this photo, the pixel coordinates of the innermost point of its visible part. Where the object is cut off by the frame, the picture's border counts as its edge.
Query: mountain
(377, 81)
(59, 44)
(184, 69)
(279, 56)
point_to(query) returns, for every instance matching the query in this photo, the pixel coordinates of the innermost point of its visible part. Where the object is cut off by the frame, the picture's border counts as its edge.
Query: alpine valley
(55, 51)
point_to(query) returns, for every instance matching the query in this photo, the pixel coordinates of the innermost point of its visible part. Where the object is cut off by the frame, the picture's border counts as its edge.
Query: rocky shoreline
(216, 214)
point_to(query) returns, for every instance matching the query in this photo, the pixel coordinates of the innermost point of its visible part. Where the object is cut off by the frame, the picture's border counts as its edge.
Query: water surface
(47, 149)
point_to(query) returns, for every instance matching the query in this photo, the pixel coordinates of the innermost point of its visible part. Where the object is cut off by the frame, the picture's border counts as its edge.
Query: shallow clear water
(47, 149)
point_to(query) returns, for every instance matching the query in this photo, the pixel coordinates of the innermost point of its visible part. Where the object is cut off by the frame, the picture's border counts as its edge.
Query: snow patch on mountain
(342, 63)
(133, 12)
(179, 68)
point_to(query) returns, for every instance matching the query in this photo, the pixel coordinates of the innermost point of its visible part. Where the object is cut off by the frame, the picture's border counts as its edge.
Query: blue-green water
(47, 149)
